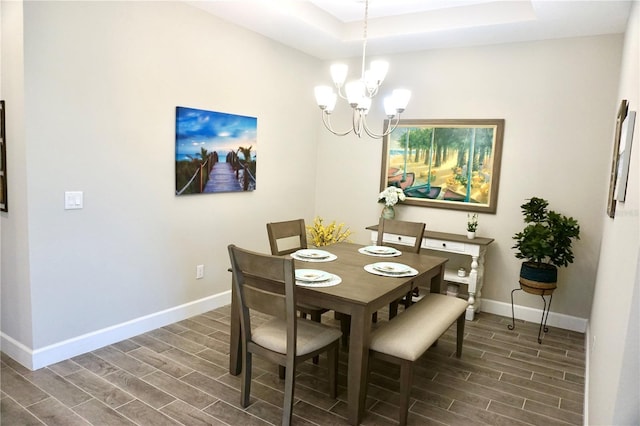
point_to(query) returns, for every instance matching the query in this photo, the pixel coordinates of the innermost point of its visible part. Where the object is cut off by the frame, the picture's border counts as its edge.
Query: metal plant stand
(545, 309)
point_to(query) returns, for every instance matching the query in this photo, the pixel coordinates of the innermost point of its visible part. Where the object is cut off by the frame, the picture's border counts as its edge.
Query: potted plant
(545, 244)
(472, 225)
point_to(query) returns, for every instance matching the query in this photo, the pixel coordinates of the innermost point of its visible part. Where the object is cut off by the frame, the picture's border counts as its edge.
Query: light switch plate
(73, 200)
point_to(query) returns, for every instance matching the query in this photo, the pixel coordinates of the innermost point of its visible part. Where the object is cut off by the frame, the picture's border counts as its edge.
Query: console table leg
(474, 291)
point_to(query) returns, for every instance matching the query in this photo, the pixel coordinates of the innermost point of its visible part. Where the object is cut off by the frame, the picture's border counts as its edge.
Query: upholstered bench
(406, 337)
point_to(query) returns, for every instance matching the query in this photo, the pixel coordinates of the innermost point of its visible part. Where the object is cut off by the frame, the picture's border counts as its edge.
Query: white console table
(452, 243)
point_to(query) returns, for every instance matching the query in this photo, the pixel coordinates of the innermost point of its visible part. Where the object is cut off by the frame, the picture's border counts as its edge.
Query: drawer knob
(399, 238)
(444, 244)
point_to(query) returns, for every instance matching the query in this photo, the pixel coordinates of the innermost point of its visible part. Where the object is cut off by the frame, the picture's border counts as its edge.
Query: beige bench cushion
(411, 333)
(311, 336)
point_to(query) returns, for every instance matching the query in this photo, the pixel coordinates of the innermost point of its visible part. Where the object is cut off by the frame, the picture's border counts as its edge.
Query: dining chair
(288, 237)
(400, 228)
(266, 284)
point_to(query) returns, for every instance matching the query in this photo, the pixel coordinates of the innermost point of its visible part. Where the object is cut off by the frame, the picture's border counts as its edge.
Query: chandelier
(359, 94)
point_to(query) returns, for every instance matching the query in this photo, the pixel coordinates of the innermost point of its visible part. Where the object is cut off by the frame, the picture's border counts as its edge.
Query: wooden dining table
(359, 295)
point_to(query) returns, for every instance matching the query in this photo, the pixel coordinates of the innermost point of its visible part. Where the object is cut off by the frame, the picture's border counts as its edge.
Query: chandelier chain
(364, 35)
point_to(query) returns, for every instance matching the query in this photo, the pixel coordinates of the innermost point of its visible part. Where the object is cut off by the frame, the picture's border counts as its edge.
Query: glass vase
(388, 212)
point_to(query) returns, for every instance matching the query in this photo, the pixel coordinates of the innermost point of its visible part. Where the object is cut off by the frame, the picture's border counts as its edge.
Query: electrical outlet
(199, 272)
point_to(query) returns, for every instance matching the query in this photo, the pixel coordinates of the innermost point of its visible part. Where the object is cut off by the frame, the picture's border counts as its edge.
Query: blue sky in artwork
(214, 131)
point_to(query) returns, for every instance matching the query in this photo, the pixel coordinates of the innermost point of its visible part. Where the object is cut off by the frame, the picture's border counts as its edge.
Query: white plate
(380, 249)
(318, 256)
(410, 272)
(391, 268)
(312, 275)
(312, 254)
(333, 280)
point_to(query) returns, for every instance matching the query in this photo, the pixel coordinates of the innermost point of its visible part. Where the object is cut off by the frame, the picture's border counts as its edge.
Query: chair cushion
(311, 336)
(411, 333)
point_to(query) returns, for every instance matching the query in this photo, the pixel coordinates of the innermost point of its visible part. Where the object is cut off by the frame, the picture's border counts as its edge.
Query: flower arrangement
(472, 222)
(391, 196)
(320, 235)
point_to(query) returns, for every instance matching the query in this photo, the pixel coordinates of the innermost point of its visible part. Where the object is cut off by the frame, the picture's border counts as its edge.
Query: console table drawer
(399, 239)
(450, 246)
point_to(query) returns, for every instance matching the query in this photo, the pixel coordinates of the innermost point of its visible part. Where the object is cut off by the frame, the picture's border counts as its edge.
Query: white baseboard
(526, 313)
(35, 359)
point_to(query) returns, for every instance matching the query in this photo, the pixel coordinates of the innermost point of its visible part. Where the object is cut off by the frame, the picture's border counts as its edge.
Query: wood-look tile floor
(178, 375)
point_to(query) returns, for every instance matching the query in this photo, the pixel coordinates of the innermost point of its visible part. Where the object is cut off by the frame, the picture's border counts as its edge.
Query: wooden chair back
(403, 228)
(265, 284)
(280, 230)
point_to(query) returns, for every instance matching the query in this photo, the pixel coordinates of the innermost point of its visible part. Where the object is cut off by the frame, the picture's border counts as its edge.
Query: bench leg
(460, 334)
(406, 375)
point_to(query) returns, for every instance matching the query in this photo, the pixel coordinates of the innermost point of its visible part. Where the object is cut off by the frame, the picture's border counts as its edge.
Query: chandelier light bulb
(378, 70)
(323, 96)
(339, 74)
(401, 98)
(390, 107)
(364, 105)
(355, 92)
(332, 103)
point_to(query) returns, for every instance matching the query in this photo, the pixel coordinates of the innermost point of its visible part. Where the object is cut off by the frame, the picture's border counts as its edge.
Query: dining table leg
(358, 363)
(235, 347)
(437, 282)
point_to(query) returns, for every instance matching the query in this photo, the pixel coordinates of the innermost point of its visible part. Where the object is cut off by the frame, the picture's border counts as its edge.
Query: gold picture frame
(450, 163)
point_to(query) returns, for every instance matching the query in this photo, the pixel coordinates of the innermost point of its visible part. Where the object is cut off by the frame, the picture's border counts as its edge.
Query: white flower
(391, 195)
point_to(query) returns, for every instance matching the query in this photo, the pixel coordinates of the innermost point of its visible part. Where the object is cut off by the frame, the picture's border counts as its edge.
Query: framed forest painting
(450, 164)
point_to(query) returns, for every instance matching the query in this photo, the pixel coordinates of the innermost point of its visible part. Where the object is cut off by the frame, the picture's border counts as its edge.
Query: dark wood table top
(359, 286)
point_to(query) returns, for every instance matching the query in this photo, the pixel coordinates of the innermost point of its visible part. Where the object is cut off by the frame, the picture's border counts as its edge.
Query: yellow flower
(321, 235)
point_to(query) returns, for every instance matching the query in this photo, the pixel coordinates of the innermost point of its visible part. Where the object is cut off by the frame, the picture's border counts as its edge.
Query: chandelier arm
(340, 94)
(393, 123)
(326, 120)
(359, 122)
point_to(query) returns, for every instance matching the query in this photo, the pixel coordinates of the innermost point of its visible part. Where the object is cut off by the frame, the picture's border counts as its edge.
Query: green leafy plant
(548, 235)
(472, 222)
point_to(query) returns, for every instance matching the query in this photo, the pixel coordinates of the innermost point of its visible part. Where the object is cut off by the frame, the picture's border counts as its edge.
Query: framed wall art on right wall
(624, 155)
(4, 206)
(613, 177)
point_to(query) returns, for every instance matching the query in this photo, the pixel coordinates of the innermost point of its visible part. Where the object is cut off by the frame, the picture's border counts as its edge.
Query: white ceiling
(330, 29)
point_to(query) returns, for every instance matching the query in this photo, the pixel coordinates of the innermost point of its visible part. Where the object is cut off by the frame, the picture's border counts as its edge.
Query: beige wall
(96, 114)
(558, 99)
(102, 80)
(613, 359)
(16, 312)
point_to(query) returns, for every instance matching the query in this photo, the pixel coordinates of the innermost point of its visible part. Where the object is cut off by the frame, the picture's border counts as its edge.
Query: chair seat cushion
(311, 336)
(411, 333)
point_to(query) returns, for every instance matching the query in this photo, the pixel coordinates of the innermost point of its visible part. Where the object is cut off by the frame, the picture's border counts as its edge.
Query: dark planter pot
(537, 278)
